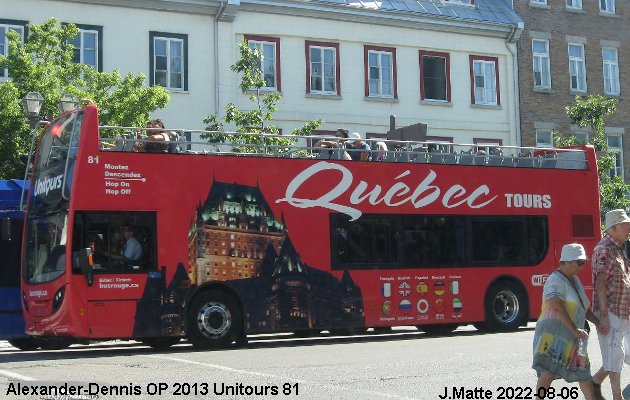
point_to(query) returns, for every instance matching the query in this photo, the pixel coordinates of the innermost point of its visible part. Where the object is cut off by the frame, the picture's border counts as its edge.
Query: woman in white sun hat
(561, 326)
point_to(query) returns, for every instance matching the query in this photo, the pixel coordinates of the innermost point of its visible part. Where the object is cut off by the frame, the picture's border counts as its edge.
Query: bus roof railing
(402, 151)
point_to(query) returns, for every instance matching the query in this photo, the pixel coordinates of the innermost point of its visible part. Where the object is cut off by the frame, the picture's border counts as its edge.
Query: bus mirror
(5, 229)
(85, 264)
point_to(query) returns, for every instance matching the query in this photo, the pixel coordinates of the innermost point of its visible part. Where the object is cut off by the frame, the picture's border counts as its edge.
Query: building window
(88, 46)
(580, 137)
(607, 6)
(269, 49)
(544, 138)
(435, 70)
(577, 69)
(380, 72)
(322, 68)
(538, 1)
(576, 4)
(540, 57)
(611, 70)
(9, 26)
(616, 149)
(169, 60)
(485, 80)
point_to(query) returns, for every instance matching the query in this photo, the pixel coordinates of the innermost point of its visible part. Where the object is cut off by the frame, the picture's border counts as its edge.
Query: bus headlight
(58, 298)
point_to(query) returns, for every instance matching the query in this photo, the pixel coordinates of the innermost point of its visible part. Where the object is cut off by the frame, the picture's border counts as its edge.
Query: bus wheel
(161, 343)
(214, 320)
(25, 344)
(505, 307)
(438, 329)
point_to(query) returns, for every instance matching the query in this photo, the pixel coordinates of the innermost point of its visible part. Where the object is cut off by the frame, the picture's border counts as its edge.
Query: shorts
(615, 346)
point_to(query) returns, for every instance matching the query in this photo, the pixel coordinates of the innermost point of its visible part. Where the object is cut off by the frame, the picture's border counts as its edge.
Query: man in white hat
(359, 151)
(611, 301)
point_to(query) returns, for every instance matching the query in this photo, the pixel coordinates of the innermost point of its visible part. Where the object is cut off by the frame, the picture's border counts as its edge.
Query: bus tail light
(25, 301)
(58, 299)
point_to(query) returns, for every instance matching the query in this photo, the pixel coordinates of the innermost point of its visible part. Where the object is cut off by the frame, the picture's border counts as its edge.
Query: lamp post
(31, 106)
(68, 102)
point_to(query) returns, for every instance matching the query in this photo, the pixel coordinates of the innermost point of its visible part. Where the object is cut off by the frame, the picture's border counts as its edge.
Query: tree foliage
(591, 112)
(257, 120)
(43, 64)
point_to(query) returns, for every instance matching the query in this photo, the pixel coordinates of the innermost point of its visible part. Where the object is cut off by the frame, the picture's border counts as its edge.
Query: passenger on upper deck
(381, 151)
(159, 140)
(340, 144)
(358, 150)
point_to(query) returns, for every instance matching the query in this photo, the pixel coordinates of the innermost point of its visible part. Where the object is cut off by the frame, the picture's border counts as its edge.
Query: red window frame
(472, 59)
(307, 50)
(366, 72)
(275, 40)
(446, 56)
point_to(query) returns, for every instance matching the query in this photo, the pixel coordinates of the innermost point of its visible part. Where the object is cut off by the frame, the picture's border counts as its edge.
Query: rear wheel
(25, 344)
(505, 307)
(214, 320)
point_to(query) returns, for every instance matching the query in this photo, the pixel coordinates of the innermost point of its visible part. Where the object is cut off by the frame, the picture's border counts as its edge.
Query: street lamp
(68, 102)
(32, 104)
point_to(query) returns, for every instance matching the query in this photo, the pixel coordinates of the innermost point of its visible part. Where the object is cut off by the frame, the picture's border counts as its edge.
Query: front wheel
(505, 307)
(214, 320)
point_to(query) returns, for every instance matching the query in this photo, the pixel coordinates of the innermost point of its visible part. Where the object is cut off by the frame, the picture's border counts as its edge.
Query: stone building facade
(573, 48)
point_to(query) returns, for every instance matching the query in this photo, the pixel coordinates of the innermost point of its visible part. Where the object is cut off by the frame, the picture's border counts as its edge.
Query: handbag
(586, 327)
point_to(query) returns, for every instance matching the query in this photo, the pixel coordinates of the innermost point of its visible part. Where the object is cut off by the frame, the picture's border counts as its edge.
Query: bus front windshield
(45, 248)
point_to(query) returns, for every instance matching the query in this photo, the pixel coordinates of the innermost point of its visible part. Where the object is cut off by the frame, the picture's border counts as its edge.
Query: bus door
(124, 297)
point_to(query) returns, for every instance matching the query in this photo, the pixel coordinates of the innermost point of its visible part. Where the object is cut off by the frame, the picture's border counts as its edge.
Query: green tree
(44, 64)
(257, 120)
(591, 112)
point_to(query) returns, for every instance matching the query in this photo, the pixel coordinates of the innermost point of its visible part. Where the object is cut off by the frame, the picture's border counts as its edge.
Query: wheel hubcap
(506, 307)
(214, 319)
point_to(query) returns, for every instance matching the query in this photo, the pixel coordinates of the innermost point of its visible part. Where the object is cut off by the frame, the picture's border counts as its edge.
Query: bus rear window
(433, 241)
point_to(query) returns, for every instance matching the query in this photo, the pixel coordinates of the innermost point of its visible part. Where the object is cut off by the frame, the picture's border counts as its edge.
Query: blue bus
(11, 225)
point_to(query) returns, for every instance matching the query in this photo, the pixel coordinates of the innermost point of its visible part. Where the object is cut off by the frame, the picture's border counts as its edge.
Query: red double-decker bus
(213, 245)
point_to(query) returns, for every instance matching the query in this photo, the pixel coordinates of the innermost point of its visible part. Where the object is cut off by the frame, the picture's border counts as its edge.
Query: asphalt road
(404, 364)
